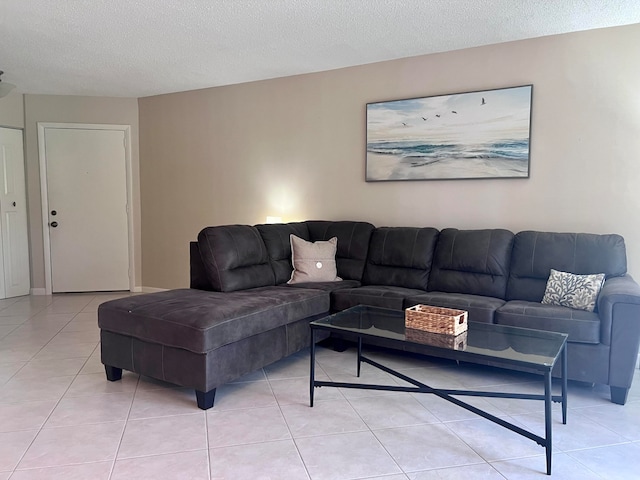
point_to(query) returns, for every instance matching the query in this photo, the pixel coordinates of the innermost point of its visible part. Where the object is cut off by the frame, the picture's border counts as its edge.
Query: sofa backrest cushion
(235, 258)
(400, 256)
(198, 278)
(472, 261)
(353, 244)
(276, 239)
(536, 253)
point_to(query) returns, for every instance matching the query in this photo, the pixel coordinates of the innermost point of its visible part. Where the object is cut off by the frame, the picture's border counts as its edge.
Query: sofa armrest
(619, 310)
(616, 290)
(619, 289)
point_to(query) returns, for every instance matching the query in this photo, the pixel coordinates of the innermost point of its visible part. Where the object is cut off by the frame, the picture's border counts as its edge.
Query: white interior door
(87, 209)
(14, 261)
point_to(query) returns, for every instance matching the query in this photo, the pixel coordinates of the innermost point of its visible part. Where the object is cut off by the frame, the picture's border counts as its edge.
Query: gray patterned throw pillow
(573, 291)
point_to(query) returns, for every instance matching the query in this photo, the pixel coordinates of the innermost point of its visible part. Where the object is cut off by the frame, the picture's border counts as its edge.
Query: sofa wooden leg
(113, 373)
(619, 395)
(205, 399)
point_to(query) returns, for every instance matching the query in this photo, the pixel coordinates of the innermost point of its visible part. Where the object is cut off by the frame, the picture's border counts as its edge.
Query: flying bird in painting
(424, 119)
(438, 116)
(483, 102)
(453, 111)
(404, 124)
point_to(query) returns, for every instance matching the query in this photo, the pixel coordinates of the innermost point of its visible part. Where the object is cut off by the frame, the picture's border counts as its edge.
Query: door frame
(44, 194)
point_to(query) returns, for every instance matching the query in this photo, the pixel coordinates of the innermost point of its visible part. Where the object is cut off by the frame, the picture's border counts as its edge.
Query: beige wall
(12, 110)
(295, 147)
(70, 109)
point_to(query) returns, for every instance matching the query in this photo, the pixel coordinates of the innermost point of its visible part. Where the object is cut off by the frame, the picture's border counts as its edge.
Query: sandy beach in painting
(394, 167)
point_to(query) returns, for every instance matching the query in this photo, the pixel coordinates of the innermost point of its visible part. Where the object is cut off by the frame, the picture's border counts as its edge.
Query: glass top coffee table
(498, 345)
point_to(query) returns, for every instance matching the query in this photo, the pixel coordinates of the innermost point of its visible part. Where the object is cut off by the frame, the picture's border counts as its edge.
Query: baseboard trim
(42, 291)
(153, 289)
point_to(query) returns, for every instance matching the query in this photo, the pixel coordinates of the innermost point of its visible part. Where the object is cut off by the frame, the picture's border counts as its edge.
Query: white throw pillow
(574, 291)
(313, 261)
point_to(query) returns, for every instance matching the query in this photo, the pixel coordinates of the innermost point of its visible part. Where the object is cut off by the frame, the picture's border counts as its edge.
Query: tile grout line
(374, 435)
(63, 395)
(14, 374)
(52, 410)
(42, 426)
(124, 428)
(443, 423)
(15, 327)
(44, 346)
(585, 466)
(541, 454)
(284, 418)
(440, 422)
(206, 433)
(373, 432)
(604, 427)
(476, 417)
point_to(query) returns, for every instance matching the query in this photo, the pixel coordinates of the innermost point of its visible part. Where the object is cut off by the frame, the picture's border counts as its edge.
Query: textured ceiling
(136, 48)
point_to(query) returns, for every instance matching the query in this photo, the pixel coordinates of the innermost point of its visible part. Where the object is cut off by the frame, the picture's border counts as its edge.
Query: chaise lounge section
(240, 314)
(233, 320)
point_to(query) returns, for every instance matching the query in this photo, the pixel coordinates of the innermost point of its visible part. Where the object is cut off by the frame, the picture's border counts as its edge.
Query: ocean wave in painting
(509, 149)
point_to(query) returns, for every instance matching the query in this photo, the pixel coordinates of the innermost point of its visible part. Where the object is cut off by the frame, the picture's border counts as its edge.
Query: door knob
(54, 224)
(53, 212)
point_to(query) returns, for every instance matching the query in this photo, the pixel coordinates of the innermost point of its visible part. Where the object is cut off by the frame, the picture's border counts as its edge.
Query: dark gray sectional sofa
(240, 315)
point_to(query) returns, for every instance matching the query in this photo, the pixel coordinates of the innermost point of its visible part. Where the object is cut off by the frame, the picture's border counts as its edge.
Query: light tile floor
(61, 419)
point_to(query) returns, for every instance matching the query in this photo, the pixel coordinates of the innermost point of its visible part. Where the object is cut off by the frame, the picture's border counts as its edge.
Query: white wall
(12, 110)
(295, 147)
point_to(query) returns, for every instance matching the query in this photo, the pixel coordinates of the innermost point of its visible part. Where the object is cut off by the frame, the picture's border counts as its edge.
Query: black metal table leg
(547, 418)
(312, 366)
(359, 354)
(564, 384)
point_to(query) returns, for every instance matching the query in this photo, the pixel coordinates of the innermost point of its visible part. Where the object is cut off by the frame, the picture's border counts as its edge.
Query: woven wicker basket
(436, 319)
(454, 342)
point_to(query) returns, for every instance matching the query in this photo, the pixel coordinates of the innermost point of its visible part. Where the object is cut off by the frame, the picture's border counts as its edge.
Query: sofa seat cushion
(481, 309)
(326, 286)
(384, 296)
(201, 321)
(580, 325)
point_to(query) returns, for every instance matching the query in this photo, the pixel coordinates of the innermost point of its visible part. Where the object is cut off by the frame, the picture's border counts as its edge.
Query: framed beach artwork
(482, 134)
